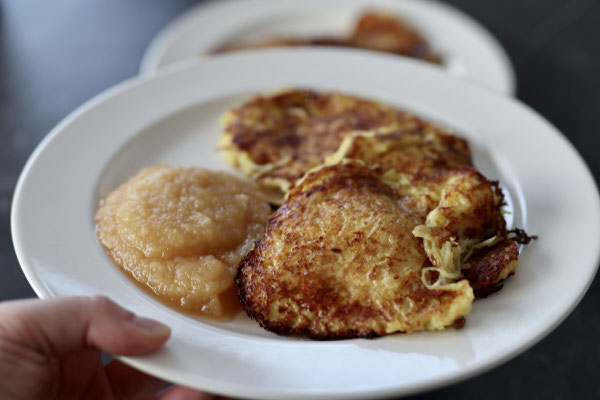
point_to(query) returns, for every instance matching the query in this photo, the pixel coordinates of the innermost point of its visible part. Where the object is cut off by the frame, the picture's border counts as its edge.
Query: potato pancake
(339, 260)
(372, 31)
(277, 138)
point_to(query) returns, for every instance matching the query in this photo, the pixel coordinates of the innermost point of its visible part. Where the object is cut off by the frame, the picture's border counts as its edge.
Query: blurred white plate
(172, 118)
(468, 50)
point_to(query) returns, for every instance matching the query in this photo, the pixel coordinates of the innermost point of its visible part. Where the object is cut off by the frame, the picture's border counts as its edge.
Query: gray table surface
(56, 54)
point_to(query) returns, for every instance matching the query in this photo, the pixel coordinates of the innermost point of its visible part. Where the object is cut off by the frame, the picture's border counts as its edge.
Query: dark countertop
(56, 54)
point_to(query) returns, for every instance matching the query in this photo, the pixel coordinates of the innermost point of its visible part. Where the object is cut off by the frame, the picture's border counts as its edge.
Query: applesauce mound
(182, 232)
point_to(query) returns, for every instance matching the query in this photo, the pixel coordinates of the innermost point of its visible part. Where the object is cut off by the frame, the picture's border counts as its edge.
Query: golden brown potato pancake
(372, 31)
(277, 138)
(339, 260)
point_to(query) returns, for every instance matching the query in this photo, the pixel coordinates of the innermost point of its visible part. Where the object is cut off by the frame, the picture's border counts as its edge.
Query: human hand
(51, 349)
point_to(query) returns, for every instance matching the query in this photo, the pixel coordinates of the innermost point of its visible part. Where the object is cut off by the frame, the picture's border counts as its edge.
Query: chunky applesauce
(182, 233)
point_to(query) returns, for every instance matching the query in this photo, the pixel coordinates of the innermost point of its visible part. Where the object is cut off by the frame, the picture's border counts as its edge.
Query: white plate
(469, 51)
(172, 118)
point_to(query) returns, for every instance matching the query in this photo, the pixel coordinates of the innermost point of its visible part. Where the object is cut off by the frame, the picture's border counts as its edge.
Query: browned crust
(285, 328)
(459, 323)
(487, 266)
(521, 237)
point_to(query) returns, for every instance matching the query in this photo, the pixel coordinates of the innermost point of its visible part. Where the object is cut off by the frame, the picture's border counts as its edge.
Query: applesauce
(182, 233)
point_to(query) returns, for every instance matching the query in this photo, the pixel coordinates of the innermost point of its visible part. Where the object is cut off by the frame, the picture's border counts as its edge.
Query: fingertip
(149, 335)
(151, 327)
(137, 336)
(120, 331)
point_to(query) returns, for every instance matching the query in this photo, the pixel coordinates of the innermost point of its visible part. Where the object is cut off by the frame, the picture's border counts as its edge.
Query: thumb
(60, 326)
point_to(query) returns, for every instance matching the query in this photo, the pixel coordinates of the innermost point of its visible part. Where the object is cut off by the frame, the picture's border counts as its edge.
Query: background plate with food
(423, 29)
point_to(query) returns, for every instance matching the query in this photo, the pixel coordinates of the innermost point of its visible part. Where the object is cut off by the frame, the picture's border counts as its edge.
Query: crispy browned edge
(487, 265)
(282, 329)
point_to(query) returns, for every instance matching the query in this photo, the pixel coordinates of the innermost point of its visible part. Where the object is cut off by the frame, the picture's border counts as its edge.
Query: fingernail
(151, 325)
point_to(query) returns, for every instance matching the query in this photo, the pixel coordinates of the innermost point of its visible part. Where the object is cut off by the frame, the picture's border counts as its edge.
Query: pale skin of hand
(51, 349)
